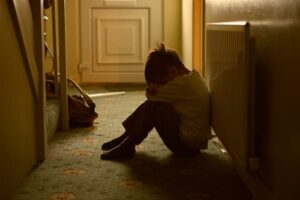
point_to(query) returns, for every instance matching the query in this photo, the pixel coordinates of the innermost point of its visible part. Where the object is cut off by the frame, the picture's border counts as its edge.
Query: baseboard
(255, 184)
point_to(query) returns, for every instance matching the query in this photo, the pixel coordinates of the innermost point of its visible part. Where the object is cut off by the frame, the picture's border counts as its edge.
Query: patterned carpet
(73, 169)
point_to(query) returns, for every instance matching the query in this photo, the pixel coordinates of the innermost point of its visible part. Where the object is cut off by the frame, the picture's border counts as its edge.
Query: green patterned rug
(73, 169)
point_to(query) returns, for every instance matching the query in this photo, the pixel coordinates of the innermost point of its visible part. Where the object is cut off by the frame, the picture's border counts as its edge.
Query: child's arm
(168, 92)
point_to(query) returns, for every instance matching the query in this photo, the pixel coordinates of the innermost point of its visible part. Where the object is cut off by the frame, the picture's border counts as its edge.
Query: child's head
(159, 63)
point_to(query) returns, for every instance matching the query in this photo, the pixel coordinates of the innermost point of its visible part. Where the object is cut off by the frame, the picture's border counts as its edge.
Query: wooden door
(116, 37)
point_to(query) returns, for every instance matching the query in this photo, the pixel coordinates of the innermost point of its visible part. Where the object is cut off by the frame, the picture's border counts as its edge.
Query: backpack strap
(86, 97)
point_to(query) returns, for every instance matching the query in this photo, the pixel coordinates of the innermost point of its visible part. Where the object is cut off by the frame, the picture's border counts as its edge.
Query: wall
(172, 24)
(72, 38)
(172, 32)
(187, 33)
(17, 109)
(275, 25)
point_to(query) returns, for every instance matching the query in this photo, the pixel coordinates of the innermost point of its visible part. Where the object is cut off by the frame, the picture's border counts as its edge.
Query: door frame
(198, 35)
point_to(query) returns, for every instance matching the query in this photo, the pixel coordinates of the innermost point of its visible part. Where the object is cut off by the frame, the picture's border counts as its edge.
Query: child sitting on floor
(177, 106)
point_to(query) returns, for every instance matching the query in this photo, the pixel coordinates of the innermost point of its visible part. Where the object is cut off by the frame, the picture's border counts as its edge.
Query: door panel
(116, 39)
(121, 40)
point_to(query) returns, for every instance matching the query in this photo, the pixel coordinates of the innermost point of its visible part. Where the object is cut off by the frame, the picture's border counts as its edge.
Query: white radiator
(230, 77)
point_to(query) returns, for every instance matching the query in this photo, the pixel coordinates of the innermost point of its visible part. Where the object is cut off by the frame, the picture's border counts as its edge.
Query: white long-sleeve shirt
(190, 97)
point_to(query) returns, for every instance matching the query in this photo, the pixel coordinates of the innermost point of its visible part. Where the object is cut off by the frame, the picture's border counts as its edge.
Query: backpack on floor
(81, 108)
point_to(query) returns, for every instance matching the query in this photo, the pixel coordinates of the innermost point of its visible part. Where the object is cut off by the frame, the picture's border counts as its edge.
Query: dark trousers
(161, 116)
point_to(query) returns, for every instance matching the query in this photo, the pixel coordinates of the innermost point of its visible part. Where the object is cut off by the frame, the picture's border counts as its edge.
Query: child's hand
(152, 89)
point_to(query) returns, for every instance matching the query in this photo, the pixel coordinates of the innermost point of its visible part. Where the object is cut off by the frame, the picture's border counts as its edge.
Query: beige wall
(72, 38)
(172, 24)
(187, 33)
(275, 26)
(17, 110)
(172, 32)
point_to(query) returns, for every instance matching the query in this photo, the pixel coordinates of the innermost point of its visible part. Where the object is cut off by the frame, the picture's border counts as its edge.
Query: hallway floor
(73, 169)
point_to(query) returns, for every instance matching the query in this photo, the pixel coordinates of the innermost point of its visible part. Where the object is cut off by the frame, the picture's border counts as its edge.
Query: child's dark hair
(158, 62)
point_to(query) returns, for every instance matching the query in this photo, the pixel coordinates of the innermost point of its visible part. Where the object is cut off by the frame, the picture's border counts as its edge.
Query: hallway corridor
(73, 169)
